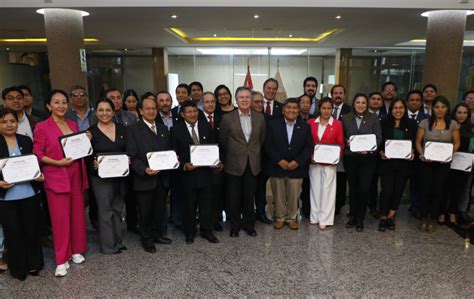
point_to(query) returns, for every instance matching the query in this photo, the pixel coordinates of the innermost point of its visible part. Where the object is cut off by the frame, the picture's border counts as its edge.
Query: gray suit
(125, 118)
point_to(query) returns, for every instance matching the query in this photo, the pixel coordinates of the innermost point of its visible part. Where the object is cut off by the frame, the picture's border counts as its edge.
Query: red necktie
(211, 120)
(268, 109)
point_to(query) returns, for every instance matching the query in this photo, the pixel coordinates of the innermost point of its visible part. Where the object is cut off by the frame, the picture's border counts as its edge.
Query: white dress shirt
(190, 129)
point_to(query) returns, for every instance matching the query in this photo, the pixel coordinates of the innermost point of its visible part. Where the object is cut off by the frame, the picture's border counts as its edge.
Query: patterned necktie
(153, 129)
(211, 121)
(334, 113)
(194, 135)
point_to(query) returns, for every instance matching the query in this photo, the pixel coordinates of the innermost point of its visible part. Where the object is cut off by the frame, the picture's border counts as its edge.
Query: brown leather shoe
(278, 224)
(293, 225)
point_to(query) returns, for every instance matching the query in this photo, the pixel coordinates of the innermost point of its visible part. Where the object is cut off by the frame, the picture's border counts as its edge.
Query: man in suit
(257, 102)
(376, 104)
(271, 107)
(183, 92)
(241, 136)
(288, 144)
(415, 106)
(389, 92)
(304, 105)
(28, 104)
(150, 185)
(430, 91)
(196, 93)
(310, 88)
(196, 181)
(121, 116)
(13, 99)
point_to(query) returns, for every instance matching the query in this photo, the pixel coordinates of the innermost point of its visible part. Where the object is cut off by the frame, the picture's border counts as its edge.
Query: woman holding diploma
(360, 166)
(327, 130)
(438, 128)
(65, 181)
(19, 206)
(108, 137)
(394, 173)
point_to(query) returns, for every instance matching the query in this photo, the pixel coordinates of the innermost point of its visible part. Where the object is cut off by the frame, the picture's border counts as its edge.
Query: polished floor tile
(337, 262)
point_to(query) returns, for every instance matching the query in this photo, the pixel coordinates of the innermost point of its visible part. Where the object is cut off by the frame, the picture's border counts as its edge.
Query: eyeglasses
(77, 95)
(12, 98)
(389, 89)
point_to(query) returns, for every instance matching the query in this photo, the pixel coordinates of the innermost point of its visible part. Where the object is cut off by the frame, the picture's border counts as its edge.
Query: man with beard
(196, 93)
(389, 92)
(310, 86)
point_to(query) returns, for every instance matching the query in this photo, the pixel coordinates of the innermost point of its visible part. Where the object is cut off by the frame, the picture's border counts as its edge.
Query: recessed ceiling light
(215, 35)
(8, 49)
(41, 12)
(174, 16)
(291, 35)
(125, 49)
(427, 13)
(338, 17)
(256, 16)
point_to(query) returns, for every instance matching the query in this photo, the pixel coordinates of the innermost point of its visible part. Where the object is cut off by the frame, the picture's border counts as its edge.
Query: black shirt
(102, 144)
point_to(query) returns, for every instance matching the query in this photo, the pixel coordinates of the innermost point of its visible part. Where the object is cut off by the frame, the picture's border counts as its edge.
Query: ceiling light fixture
(174, 16)
(38, 40)
(83, 13)
(215, 35)
(338, 17)
(256, 16)
(8, 49)
(250, 51)
(291, 35)
(427, 13)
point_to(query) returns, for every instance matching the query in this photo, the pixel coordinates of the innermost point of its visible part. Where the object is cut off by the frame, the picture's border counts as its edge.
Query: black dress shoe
(382, 225)
(123, 248)
(189, 239)
(162, 240)
(360, 227)
(263, 218)
(149, 248)
(234, 233)
(251, 232)
(34, 272)
(210, 237)
(133, 229)
(390, 224)
(218, 227)
(351, 223)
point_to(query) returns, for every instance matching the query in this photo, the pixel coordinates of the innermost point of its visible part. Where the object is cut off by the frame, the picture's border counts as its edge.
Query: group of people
(259, 140)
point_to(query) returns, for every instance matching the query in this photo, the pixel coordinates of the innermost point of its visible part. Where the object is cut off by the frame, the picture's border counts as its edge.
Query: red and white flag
(248, 79)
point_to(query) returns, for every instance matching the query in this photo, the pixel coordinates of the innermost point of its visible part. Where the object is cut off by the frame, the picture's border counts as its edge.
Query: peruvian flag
(248, 79)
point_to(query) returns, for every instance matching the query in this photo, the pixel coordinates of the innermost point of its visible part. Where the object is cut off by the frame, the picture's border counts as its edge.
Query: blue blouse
(21, 190)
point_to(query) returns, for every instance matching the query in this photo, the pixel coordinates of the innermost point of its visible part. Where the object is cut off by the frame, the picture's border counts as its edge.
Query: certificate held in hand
(204, 155)
(20, 169)
(398, 149)
(462, 161)
(76, 146)
(327, 153)
(438, 151)
(363, 143)
(162, 160)
(113, 165)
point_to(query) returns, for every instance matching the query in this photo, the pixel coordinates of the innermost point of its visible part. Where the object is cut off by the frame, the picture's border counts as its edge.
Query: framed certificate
(363, 143)
(204, 155)
(20, 169)
(462, 161)
(398, 149)
(327, 153)
(162, 160)
(438, 151)
(76, 146)
(113, 165)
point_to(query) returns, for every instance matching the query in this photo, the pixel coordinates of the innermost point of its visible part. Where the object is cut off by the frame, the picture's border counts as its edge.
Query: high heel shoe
(34, 272)
(441, 219)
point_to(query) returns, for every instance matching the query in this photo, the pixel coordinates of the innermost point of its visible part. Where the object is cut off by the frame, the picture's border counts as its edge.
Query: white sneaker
(78, 259)
(61, 270)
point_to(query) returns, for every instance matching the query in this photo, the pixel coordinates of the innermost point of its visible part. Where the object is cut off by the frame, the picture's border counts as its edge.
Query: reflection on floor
(334, 262)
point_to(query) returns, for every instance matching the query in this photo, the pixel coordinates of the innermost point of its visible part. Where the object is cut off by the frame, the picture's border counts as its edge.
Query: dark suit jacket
(140, 141)
(26, 147)
(409, 128)
(236, 150)
(159, 120)
(277, 110)
(33, 120)
(40, 114)
(346, 109)
(277, 148)
(177, 116)
(370, 125)
(180, 141)
(128, 118)
(421, 115)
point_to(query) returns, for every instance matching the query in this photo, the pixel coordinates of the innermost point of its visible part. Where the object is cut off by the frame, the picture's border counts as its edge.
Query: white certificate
(327, 153)
(113, 165)
(162, 160)
(204, 155)
(20, 169)
(438, 151)
(363, 143)
(398, 149)
(76, 146)
(462, 161)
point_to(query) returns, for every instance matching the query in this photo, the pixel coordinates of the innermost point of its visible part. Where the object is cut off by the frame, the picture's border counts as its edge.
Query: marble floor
(337, 262)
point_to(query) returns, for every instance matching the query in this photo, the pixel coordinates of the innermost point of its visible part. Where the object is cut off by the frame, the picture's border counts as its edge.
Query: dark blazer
(421, 115)
(370, 125)
(277, 148)
(310, 116)
(409, 128)
(102, 144)
(159, 120)
(277, 110)
(140, 141)
(26, 147)
(235, 148)
(345, 109)
(177, 116)
(40, 114)
(180, 141)
(128, 118)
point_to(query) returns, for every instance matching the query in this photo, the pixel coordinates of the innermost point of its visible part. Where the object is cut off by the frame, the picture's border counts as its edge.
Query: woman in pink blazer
(325, 129)
(65, 181)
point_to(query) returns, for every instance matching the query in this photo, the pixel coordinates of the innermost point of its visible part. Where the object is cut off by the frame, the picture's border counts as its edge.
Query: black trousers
(218, 197)
(457, 182)
(434, 176)
(131, 205)
(240, 199)
(360, 171)
(341, 190)
(20, 220)
(305, 203)
(261, 193)
(202, 199)
(150, 207)
(374, 192)
(416, 187)
(393, 185)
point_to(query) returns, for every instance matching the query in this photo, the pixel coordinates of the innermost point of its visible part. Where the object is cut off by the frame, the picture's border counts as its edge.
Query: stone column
(65, 34)
(160, 68)
(444, 43)
(343, 64)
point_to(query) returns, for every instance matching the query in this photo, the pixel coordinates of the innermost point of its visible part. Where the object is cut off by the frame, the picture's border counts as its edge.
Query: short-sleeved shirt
(436, 135)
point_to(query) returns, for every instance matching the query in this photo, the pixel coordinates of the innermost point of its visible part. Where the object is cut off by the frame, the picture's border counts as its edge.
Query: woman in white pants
(325, 130)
